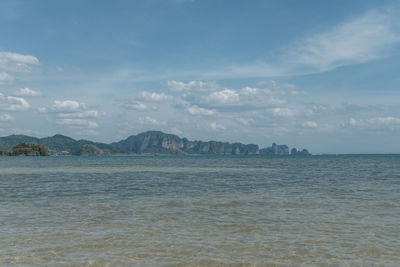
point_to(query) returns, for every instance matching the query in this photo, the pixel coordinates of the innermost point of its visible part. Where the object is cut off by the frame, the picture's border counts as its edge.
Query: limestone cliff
(159, 142)
(151, 142)
(275, 150)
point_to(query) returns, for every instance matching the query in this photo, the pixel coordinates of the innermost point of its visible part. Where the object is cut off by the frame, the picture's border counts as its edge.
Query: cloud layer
(12, 103)
(369, 36)
(27, 92)
(16, 64)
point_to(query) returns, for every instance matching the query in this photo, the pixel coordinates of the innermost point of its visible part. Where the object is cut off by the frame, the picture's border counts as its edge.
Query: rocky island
(150, 142)
(295, 152)
(159, 142)
(283, 150)
(275, 150)
(27, 149)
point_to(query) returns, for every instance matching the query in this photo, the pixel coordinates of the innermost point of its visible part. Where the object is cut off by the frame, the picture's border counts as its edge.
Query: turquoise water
(200, 211)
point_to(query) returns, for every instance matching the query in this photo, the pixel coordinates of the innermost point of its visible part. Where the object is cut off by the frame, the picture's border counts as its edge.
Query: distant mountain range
(151, 142)
(61, 145)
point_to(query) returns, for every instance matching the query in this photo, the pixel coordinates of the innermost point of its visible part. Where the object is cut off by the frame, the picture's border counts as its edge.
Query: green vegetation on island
(27, 149)
(61, 145)
(150, 142)
(158, 142)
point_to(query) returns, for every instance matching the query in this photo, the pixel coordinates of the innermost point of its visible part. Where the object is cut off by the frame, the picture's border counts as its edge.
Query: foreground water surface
(200, 211)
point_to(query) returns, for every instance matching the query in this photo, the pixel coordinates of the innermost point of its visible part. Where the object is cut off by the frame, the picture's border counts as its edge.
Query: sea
(333, 210)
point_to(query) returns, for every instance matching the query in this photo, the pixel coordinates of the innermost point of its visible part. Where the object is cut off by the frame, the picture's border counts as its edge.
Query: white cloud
(192, 86)
(282, 112)
(364, 38)
(367, 37)
(13, 62)
(276, 88)
(6, 117)
(14, 57)
(319, 109)
(177, 86)
(196, 110)
(204, 93)
(73, 114)
(17, 103)
(309, 124)
(42, 109)
(68, 106)
(135, 105)
(211, 94)
(78, 123)
(387, 120)
(148, 120)
(216, 126)
(275, 101)
(5, 78)
(249, 91)
(83, 114)
(245, 122)
(27, 92)
(359, 39)
(153, 96)
(224, 97)
(375, 122)
(13, 103)
(60, 69)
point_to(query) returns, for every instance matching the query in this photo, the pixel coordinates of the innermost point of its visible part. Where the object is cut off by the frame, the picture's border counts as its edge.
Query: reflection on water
(199, 211)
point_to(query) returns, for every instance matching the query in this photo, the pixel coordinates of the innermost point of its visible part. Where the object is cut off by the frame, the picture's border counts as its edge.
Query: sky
(321, 75)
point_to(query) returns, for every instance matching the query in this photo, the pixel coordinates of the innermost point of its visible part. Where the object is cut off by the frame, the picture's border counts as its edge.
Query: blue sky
(317, 74)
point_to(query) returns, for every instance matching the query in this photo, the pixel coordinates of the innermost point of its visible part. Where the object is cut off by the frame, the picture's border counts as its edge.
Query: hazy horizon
(315, 75)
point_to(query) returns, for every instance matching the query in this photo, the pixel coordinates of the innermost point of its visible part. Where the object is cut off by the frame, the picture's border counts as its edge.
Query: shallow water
(200, 211)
